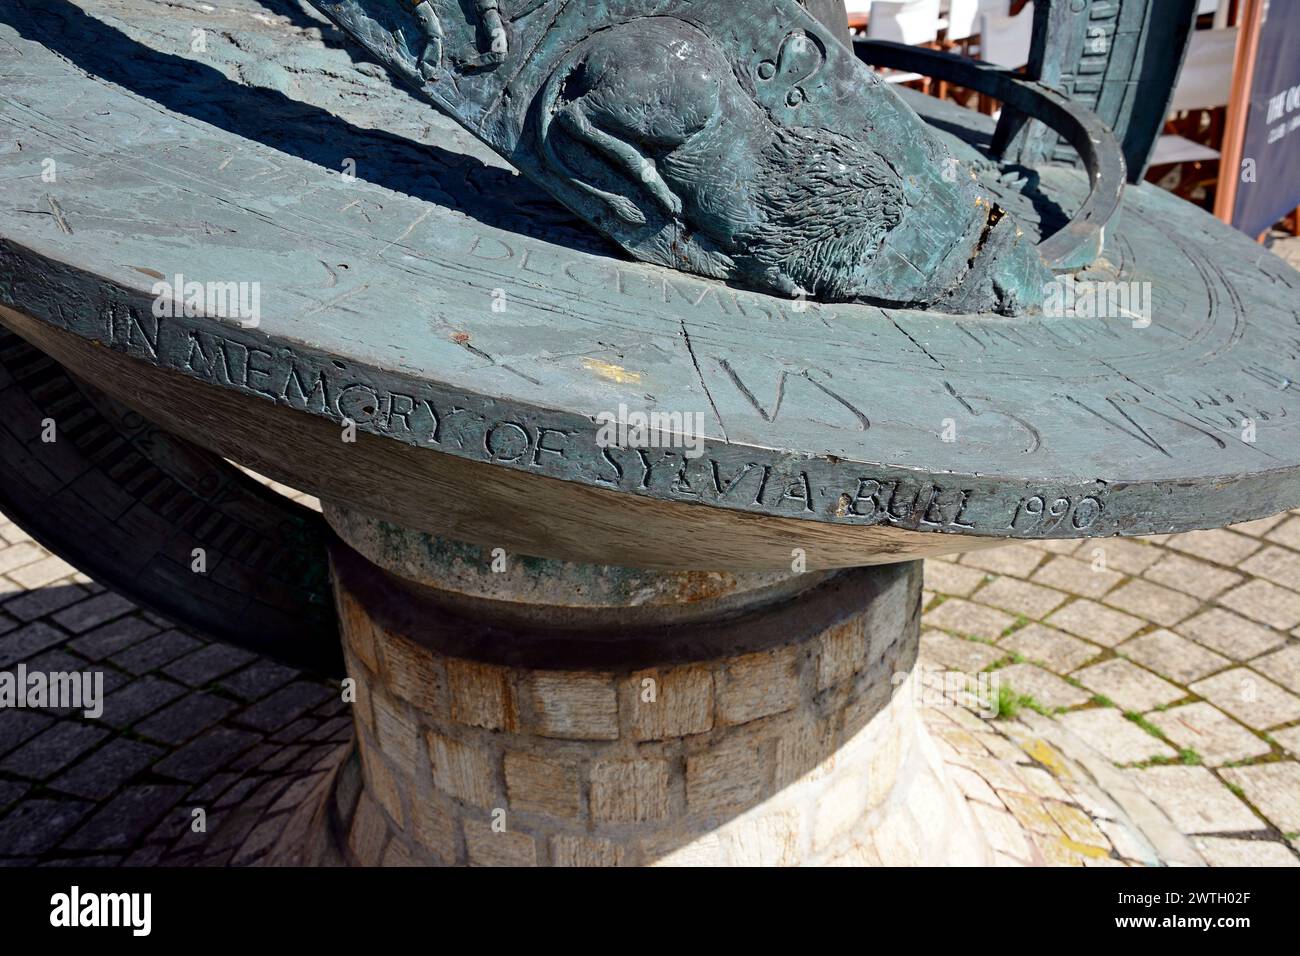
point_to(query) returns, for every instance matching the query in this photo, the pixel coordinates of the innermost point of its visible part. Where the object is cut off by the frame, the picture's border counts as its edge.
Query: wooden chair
(1186, 157)
(914, 22)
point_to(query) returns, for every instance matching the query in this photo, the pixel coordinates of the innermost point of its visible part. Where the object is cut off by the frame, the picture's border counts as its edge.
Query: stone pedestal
(555, 714)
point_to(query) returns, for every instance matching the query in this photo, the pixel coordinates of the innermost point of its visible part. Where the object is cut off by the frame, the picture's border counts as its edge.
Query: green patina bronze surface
(378, 306)
(745, 144)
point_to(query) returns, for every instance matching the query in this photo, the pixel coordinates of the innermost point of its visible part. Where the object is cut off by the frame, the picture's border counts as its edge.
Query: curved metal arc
(1080, 242)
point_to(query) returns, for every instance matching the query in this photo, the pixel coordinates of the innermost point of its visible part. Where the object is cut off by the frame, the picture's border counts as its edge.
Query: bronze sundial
(860, 326)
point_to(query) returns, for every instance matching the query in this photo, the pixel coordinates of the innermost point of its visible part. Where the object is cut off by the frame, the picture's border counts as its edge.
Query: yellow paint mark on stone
(1085, 849)
(615, 373)
(1043, 752)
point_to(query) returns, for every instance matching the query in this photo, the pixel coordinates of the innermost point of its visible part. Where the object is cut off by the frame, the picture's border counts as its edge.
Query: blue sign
(1270, 170)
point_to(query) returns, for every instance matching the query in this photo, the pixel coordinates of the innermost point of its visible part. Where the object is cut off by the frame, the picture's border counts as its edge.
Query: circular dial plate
(437, 300)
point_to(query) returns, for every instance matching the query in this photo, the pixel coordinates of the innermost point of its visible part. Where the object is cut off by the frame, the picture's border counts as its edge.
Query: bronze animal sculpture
(756, 150)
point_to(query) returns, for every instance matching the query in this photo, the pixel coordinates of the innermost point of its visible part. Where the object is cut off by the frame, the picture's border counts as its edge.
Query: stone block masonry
(784, 735)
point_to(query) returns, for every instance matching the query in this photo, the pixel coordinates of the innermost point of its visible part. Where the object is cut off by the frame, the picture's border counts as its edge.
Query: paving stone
(1041, 783)
(41, 573)
(11, 790)
(111, 638)
(53, 749)
(1127, 555)
(961, 741)
(155, 652)
(1129, 686)
(186, 718)
(257, 680)
(957, 653)
(1289, 739)
(119, 823)
(1273, 788)
(55, 660)
(238, 793)
(973, 786)
(137, 699)
(1152, 602)
(1221, 851)
(1191, 576)
(294, 731)
(1195, 800)
(1220, 546)
(1078, 826)
(17, 726)
(19, 555)
(1230, 634)
(1002, 776)
(1058, 545)
(207, 664)
(969, 620)
(11, 533)
(951, 579)
(1211, 733)
(1003, 831)
(1030, 811)
(1045, 687)
(93, 612)
(1077, 577)
(1286, 533)
(1128, 842)
(1020, 597)
(34, 826)
(1265, 602)
(1055, 649)
(28, 641)
(101, 774)
(1281, 666)
(329, 729)
(1114, 737)
(1016, 560)
(1093, 622)
(1173, 656)
(206, 754)
(284, 706)
(1260, 526)
(254, 757)
(1251, 698)
(44, 601)
(1279, 565)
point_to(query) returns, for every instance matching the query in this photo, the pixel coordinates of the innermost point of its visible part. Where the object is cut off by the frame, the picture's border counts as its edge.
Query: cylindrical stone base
(782, 732)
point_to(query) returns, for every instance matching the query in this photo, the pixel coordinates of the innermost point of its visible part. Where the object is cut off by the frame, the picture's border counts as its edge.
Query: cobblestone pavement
(1158, 685)
(1177, 658)
(188, 725)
